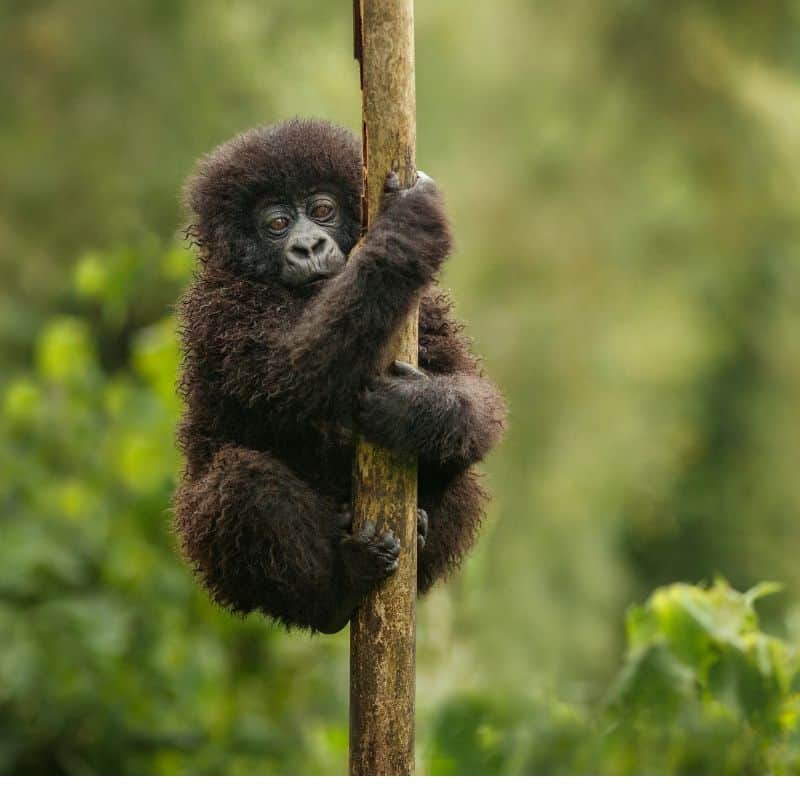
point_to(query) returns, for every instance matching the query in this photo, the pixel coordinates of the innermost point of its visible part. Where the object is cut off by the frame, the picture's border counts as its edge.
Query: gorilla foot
(344, 520)
(370, 556)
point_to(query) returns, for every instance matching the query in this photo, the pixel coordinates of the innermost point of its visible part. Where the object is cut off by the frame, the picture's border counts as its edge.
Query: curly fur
(273, 380)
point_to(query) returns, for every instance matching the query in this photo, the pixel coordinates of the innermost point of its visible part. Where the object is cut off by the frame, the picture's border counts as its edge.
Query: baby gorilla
(285, 333)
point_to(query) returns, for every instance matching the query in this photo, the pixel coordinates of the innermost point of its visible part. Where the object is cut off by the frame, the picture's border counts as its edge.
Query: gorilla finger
(424, 181)
(387, 560)
(388, 543)
(392, 183)
(422, 522)
(366, 534)
(393, 545)
(407, 370)
(392, 567)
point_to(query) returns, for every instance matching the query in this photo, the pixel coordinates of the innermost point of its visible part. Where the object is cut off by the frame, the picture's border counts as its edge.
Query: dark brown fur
(272, 380)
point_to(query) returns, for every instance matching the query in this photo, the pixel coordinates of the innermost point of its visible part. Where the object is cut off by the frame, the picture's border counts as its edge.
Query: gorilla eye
(278, 224)
(322, 210)
(274, 219)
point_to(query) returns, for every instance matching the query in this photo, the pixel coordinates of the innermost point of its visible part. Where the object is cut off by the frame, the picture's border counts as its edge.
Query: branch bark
(383, 631)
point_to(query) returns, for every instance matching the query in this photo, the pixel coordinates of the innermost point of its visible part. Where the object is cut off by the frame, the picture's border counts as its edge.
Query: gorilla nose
(308, 246)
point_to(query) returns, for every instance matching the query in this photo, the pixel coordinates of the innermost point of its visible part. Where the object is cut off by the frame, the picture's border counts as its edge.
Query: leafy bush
(702, 691)
(113, 661)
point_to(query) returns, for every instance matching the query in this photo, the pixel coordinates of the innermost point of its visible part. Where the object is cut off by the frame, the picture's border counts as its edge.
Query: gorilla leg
(261, 538)
(454, 513)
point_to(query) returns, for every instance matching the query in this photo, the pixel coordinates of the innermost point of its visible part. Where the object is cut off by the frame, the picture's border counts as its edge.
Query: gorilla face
(279, 204)
(303, 236)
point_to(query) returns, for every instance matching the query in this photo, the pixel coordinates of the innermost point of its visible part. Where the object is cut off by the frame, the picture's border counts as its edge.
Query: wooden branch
(383, 632)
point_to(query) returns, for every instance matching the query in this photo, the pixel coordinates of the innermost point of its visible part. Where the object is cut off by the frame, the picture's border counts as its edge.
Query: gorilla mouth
(311, 269)
(322, 269)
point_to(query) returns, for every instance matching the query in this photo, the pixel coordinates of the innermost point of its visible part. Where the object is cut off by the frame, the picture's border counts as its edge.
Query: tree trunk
(383, 633)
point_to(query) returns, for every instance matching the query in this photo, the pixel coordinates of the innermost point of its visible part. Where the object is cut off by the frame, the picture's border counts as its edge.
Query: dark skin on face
(305, 232)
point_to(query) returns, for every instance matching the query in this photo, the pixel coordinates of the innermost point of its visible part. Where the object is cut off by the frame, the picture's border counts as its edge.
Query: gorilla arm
(450, 415)
(343, 332)
(447, 413)
(452, 420)
(315, 364)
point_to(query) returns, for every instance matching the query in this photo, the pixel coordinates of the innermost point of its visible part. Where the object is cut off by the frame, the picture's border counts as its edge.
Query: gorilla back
(284, 332)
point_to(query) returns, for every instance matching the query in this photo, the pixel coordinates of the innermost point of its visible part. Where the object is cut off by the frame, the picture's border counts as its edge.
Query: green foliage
(621, 182)
(703, 691)
(113, 659)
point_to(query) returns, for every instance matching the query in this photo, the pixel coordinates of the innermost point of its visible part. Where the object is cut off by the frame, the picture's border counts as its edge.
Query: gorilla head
(280, 203)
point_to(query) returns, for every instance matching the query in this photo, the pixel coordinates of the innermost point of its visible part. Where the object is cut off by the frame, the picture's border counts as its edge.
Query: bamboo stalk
(383, 632)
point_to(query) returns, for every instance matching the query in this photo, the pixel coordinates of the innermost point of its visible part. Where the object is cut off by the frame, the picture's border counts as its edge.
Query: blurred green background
(623, 181)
